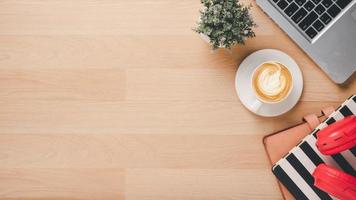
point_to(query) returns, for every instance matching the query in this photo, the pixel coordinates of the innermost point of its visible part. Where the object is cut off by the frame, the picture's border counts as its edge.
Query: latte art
(272, 81)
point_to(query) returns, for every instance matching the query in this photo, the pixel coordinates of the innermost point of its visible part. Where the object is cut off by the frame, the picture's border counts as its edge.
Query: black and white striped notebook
(294, 170)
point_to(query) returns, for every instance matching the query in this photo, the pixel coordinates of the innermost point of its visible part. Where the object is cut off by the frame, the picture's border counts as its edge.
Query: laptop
(324, 29)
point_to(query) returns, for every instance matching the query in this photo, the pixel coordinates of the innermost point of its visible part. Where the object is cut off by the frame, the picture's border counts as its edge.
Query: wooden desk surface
(117, 99)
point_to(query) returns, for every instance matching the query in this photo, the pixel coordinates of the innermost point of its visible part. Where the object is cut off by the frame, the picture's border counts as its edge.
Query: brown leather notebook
(276, 149)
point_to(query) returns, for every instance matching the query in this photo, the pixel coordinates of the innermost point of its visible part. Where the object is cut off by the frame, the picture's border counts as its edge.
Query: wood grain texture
(113, 99)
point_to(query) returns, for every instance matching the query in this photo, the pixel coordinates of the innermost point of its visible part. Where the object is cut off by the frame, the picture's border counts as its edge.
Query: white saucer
(245, 91)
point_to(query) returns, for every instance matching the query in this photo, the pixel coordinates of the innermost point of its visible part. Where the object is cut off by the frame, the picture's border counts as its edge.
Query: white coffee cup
(282, 78)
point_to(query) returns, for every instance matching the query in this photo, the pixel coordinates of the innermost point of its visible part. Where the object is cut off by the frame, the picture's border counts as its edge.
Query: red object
(335, 182)
(337, 137)
(334, 139)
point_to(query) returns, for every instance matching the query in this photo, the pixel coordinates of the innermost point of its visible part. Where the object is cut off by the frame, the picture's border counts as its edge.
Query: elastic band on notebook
(312, 121)
(327, 111)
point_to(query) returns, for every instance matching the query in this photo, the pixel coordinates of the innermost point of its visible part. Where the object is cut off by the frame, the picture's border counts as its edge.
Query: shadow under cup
(272, 82)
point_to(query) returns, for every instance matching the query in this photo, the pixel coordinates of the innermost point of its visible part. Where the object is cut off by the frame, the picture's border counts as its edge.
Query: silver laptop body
(333, 47)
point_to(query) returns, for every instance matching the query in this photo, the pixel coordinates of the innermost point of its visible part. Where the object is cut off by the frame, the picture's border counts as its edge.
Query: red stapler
(334, 139)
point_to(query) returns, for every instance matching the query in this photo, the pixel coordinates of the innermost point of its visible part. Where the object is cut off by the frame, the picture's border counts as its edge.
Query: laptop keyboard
(311, 16)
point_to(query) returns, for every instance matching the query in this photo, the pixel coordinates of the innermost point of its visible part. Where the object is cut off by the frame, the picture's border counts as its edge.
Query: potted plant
(224, 23)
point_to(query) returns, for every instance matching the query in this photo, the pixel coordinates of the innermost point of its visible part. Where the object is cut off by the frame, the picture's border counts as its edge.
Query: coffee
(272, 82)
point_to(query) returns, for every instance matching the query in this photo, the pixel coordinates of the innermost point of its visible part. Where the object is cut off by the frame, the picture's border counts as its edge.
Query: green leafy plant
(225, 23)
